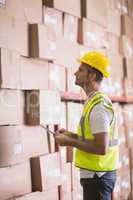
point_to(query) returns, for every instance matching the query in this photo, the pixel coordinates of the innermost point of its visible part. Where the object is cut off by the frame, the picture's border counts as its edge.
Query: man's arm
(97, 146)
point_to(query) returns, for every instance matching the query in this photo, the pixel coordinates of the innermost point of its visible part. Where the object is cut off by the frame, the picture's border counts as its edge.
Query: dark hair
(99, 75)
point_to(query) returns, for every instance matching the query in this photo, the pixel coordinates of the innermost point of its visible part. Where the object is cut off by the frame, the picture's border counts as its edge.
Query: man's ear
(92, 76)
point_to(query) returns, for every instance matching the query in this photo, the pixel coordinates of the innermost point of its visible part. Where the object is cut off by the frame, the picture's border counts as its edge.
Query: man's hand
(62, 139)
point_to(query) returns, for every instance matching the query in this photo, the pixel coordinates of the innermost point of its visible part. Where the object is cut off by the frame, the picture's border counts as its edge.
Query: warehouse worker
(96, 141)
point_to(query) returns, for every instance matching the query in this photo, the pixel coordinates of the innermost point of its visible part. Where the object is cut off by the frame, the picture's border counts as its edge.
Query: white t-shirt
(100, 119)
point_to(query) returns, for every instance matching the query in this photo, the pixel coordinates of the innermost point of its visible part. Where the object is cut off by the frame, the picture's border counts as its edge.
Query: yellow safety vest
(91, 161)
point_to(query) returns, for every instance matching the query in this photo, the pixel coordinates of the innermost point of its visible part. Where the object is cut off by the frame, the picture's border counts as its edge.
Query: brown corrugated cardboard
(9, 67)
(112, 27)
(126, 46)
(71, 27)
(49, 195)
(17, 40)
(127, 26)
(53, 19)
(73, 8)
(57, 77)
(33, 74)
(91, 34)
(46, 172)
(40, 44)
(11, 107)
(15, 180)
(42, 107)
(29, 10)
(18, 143)
(97, 11)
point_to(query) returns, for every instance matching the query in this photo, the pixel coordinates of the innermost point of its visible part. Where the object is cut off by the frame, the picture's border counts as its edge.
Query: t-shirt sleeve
(100, 119)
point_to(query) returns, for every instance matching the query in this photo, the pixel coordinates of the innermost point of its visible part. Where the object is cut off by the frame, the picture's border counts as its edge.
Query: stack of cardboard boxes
(40, 43)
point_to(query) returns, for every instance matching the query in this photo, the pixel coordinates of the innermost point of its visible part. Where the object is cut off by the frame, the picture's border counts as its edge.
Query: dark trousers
(98, 188)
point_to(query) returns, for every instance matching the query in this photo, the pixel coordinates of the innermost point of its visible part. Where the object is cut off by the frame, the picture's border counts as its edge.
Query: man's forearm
(88, 146)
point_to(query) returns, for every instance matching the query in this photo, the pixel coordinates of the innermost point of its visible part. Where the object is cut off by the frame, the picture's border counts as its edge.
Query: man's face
(81, 75)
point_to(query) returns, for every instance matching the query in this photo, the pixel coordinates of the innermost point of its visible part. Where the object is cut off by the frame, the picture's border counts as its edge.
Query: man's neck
(90, 91)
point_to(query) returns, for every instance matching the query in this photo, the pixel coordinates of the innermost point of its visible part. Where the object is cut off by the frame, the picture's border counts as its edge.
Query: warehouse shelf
(79, 97)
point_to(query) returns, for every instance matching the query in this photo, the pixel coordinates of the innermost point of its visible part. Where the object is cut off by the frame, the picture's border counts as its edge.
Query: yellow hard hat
(98, 61)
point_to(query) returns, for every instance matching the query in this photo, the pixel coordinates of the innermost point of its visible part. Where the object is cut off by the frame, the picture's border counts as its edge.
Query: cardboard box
(11, 107)
(70, 27)
(49, 195)
(123, 139)
(112, 27)
(17, 40)
(129, 134)
(131, 166)
(128, 114)
(73, 8)
(53, 19)
(9, 67)
(66, 187)
(91, 34)
(77, 189)
(29, 73)
(63, 121)
(33, 74)
(114, 5)
(117, 189)
(128, 87)
(127, 26)
(28, 10)
(113, 44)
(128, 63)
(42, 107)
(74, 115)
(124, 7)
(12, 183)
(97, 11)
(57, 77)
(124, 161)
(126, 46)
(130, 6)
(18, 143)
(63, 56)
(40, 42)
(125, 184)
(46, 172)
(116, 84)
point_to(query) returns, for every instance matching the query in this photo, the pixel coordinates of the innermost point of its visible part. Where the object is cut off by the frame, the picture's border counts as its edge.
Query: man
(96, 141)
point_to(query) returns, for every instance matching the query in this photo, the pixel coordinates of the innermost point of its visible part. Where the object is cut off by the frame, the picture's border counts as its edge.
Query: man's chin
(76, 83)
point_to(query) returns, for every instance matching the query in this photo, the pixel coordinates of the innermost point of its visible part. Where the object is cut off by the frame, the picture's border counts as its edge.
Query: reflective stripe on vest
(112, 142)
